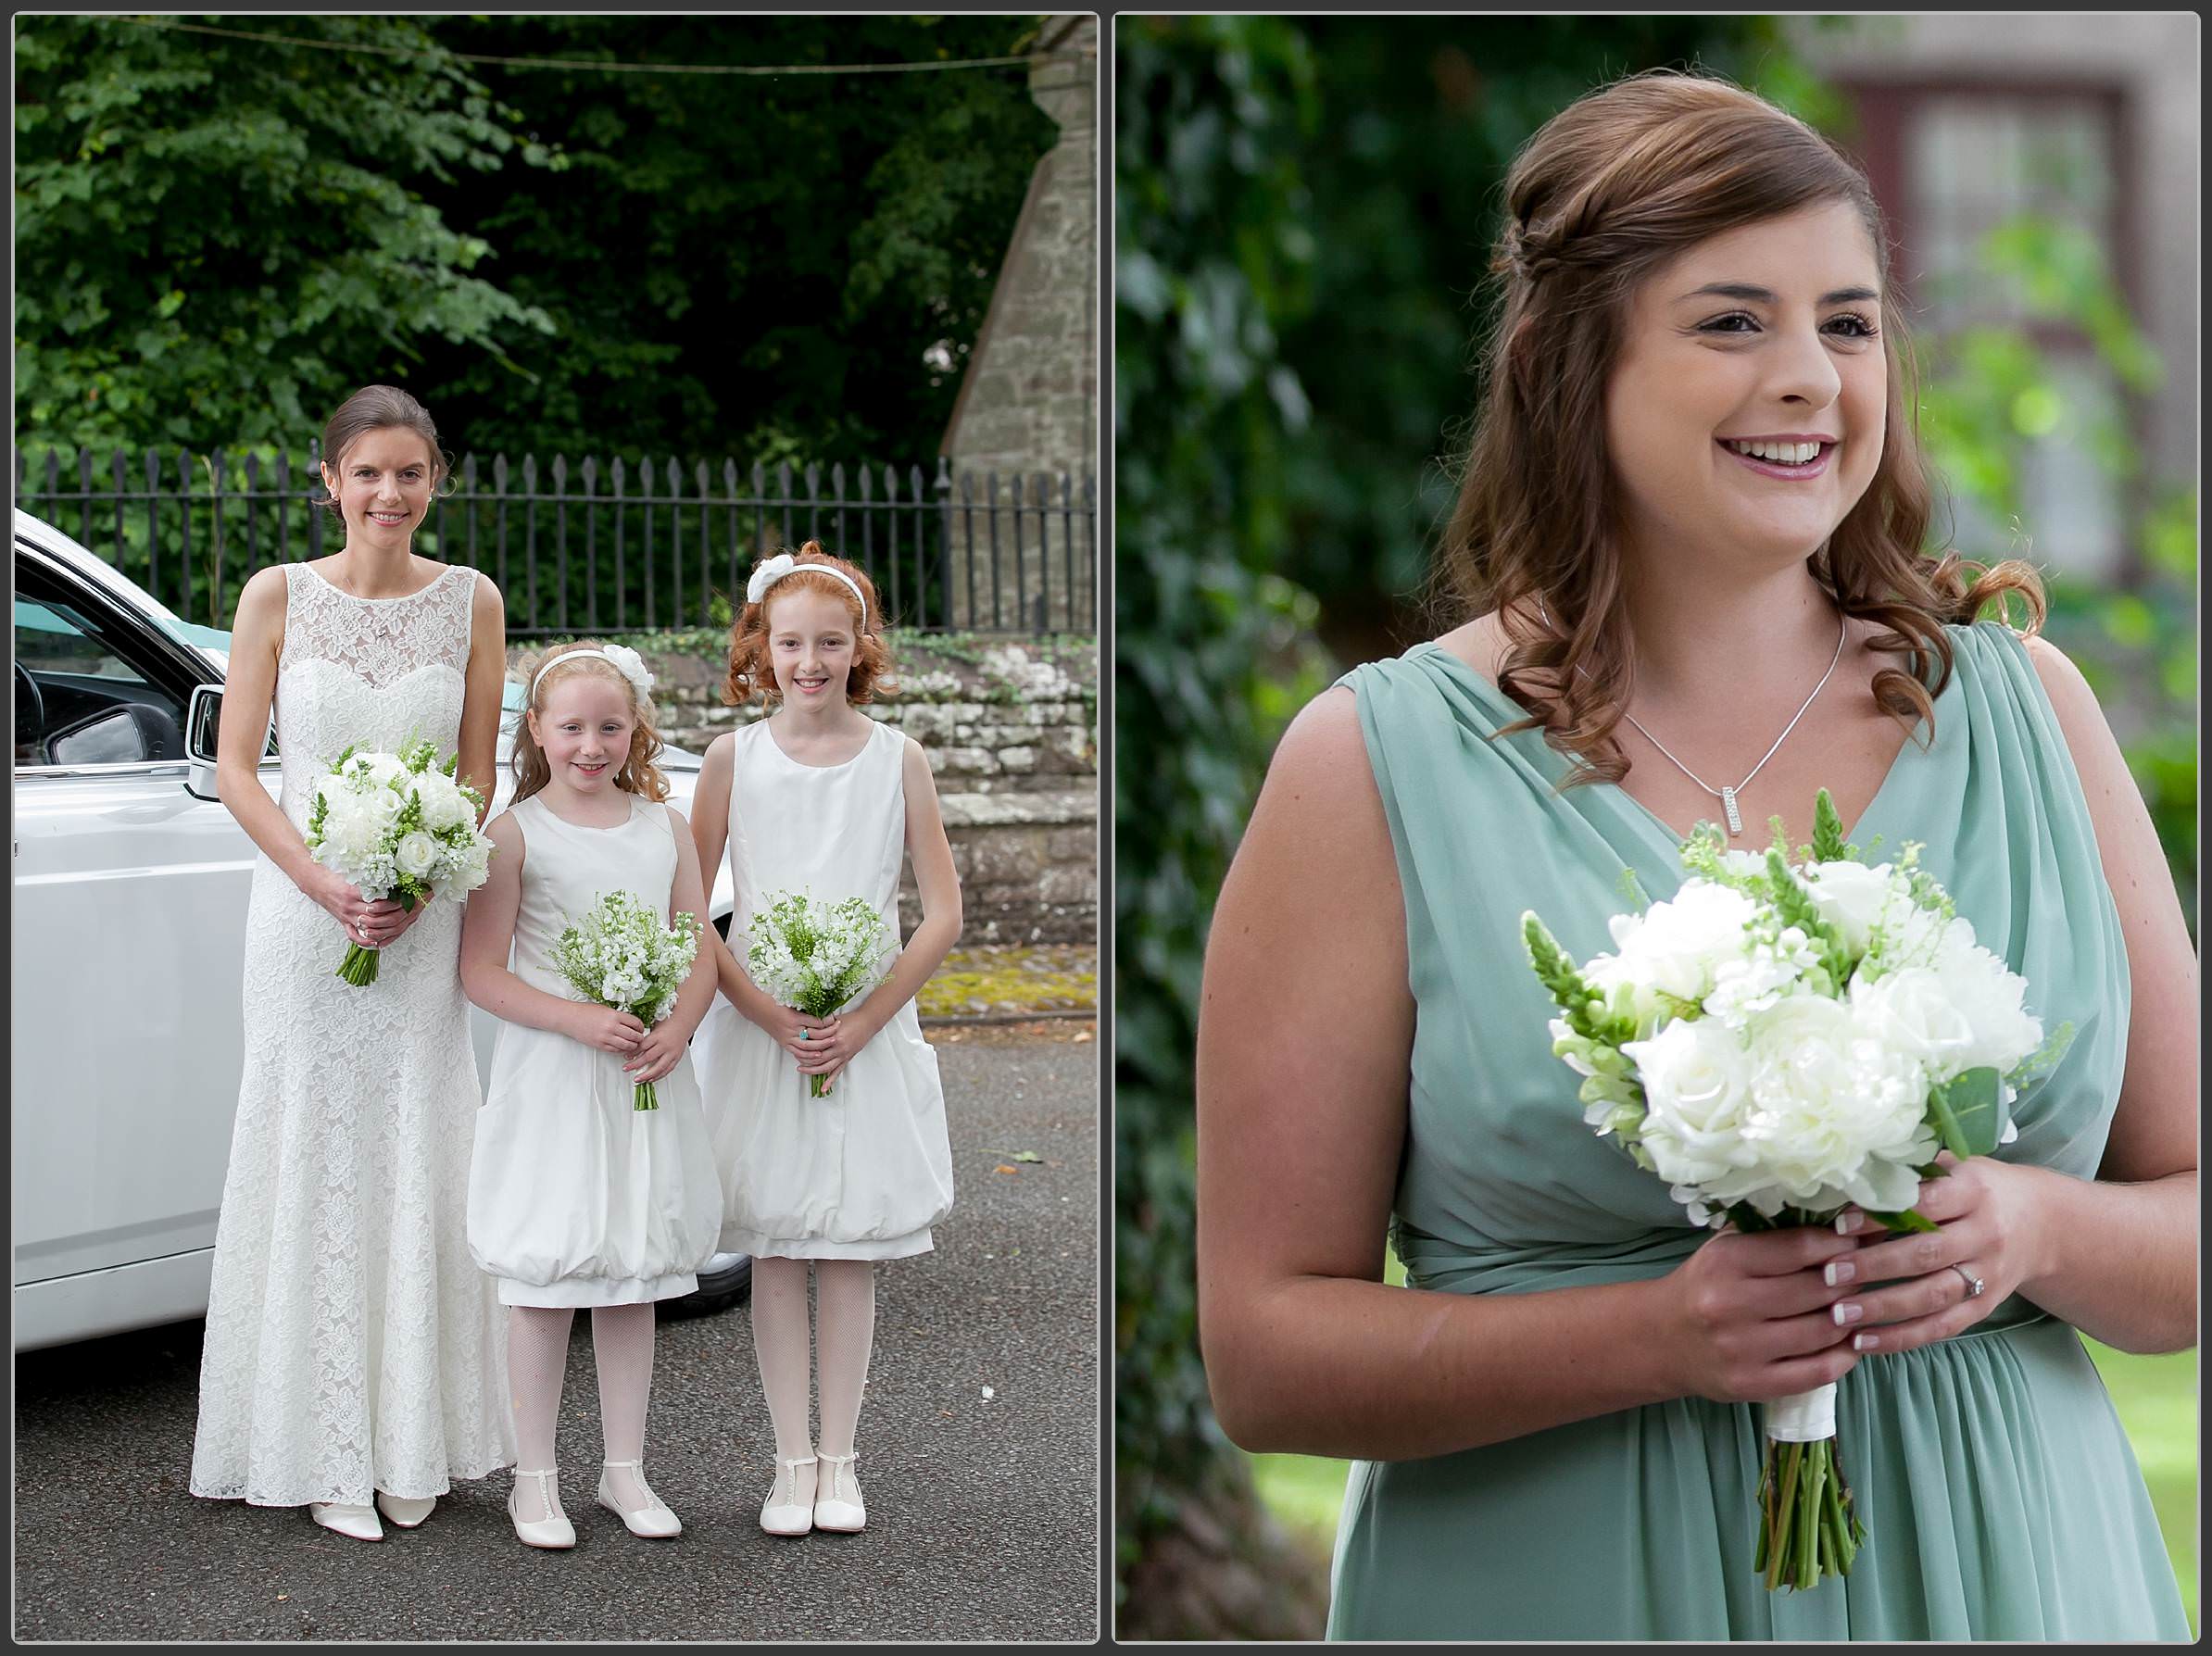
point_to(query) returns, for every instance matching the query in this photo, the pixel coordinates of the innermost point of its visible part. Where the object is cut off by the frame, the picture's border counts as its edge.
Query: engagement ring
(1974, 1284)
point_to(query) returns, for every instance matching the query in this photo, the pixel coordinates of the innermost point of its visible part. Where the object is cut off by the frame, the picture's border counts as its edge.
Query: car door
(130, 917)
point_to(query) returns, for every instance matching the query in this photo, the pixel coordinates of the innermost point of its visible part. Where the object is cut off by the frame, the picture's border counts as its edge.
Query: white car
(131, 882)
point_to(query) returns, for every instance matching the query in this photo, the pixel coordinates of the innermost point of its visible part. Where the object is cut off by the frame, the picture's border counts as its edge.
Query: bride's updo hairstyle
(753, 672)
(638, 775)
(1607, 192)
(376, 409)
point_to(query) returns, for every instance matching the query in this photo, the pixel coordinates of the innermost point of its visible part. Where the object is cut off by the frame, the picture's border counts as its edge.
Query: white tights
(843, 1332)
(537, 1360)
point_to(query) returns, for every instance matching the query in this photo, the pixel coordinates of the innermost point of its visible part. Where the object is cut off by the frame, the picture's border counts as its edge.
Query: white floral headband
(625, 659)
(766, 575)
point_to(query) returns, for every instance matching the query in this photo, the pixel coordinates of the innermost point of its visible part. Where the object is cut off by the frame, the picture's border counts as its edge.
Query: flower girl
(819, 801)
(581, 1193)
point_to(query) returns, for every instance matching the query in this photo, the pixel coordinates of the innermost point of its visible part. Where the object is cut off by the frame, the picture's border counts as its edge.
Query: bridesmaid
(1554, 1431)
(352, 1351)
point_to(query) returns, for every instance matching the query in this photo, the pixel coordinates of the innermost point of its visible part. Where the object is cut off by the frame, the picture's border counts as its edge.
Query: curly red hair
(751, 672)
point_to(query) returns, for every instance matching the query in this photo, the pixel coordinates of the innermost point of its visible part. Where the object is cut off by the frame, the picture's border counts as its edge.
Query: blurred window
(1974, 158)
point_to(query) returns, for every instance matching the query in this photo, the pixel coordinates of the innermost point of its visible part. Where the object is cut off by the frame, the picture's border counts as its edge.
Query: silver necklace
(1728, 796)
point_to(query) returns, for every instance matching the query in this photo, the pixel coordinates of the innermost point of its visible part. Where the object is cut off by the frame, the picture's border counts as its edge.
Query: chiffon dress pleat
(2001, 1497)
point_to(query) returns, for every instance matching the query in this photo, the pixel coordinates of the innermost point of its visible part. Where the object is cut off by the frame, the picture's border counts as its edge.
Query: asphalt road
(983, 1512)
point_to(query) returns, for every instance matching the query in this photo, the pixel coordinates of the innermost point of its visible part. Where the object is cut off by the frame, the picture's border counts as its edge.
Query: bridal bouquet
(620, 954)
(816, 957)
(1776, 1042)
(397, 825)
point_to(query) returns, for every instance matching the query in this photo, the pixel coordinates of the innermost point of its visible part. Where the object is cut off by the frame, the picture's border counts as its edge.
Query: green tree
(1992, 399)
(1302, 205)
(774, 268)
(215, 240)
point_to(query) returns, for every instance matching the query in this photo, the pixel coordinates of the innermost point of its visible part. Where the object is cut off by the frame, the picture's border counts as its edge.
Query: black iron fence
(624, 546)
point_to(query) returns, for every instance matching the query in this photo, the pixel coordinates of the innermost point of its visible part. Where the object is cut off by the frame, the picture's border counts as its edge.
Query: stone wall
(1028, 403)
(1011, 730)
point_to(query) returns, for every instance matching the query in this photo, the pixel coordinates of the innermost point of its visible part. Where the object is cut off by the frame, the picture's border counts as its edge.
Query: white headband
(625, 659)
(766, 575)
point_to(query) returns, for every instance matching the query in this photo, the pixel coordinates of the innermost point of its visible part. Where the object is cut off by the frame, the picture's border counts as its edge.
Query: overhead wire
(920, 67)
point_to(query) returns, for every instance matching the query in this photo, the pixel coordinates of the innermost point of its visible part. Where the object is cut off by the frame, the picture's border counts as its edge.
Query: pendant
(1728, 801)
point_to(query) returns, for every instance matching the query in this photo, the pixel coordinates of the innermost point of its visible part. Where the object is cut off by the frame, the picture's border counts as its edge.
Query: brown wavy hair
(376, 409)
(1612, 188)
(638, 775)
(752, 672)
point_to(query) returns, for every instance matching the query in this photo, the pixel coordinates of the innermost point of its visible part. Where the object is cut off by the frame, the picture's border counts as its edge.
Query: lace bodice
(384, 672)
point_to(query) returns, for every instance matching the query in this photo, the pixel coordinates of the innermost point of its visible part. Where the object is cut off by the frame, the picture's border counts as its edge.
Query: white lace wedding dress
(352, 1344)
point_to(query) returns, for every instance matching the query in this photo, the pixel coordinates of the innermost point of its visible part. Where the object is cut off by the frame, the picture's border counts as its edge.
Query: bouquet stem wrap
(1807, 1529)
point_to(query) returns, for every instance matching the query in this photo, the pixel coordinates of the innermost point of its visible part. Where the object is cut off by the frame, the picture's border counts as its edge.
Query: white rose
(383, 767)
(1912, 1012)
(1677, 947)
(1850, 897)
(416, 853)
(1696, 1077)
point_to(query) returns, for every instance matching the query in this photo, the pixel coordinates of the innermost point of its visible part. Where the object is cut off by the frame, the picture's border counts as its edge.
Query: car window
(77, 683)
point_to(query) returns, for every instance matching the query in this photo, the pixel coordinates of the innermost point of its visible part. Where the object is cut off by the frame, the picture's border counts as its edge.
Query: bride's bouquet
(816, 957)
(1778, 1042)
(619, 955)
(397, 825)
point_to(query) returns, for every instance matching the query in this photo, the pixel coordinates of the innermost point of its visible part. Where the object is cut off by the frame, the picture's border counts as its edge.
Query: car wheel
(724, 1279)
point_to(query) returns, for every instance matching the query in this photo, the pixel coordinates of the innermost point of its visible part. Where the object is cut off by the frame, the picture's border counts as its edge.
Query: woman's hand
(794, 1031)
(661, 1050)
(1986, 1215)
(1748, 1314)
(605, 1029)
(372, 922)
(825, 1054)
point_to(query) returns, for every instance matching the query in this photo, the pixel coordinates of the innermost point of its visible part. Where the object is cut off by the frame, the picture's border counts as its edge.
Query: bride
(353, 1349)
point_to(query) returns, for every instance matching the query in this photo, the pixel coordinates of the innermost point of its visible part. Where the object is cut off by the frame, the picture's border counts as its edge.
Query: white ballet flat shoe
(347, 1520)
(653, 1520)
(554, 1531)
(405, 1511)
(787, 1511)
(839, 1506)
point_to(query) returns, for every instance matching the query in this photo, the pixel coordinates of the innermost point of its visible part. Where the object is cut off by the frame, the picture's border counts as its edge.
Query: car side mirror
(203, 722)
(119, 736)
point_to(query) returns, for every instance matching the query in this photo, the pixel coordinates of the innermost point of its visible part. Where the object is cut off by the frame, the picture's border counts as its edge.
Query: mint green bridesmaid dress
(2001, 1497)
